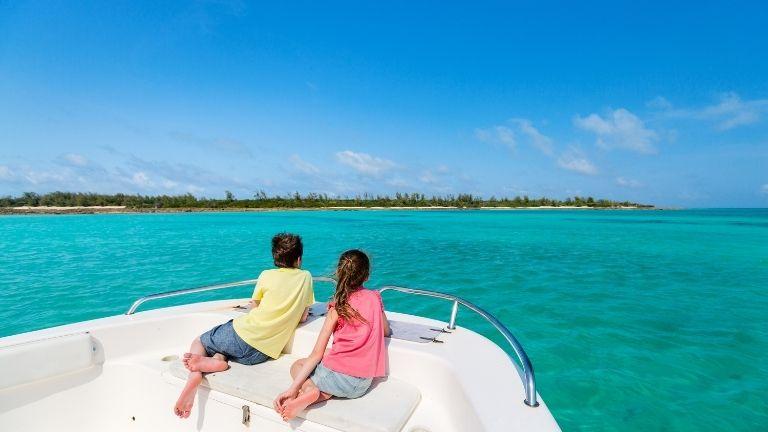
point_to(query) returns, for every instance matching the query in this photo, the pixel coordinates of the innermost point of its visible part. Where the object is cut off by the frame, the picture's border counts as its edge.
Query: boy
(280, 301)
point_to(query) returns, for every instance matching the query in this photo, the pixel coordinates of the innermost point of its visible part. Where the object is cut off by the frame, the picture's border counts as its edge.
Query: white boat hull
(466, 383)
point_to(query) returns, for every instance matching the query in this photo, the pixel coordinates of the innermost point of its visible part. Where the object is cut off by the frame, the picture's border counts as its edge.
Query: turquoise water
(635, 321)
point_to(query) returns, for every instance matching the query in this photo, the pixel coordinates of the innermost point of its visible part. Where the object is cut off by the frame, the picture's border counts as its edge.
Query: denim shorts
(223, 339)
(339, 384)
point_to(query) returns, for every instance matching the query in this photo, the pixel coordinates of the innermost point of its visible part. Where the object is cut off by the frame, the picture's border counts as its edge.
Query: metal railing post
(454, 312)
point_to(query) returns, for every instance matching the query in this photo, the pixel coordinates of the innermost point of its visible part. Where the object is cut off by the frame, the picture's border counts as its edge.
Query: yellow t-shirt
(284, 293)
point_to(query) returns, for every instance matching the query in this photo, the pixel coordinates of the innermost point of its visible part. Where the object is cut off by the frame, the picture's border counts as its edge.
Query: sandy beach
(28, 210)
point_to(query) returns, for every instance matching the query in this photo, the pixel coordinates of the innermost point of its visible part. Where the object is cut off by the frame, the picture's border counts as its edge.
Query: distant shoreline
(57, 210)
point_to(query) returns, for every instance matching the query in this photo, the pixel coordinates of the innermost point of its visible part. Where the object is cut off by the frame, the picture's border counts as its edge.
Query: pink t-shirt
(358, 347)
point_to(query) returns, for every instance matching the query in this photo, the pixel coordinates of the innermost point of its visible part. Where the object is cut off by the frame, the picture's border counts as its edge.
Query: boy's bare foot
(293, 407)
(186, 357)
(183, 407)
(199, 363)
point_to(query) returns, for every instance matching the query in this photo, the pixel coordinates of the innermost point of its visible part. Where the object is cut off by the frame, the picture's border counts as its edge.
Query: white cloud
(188, 177)
(130, 175)
(364, 163)
(303, 166)
(619, 129)
(436, 184)
(509, 135)
(764, 189)
(141, 179)
(625, 182)
(435, 177)
(5, 173)
(505, 136)
(538, 140)
(41, 177)
(497, 135)
(523, 130)
(75, 159)
(728, 113)
(442, 179)
(733, 112)
(575, 160)
(428, 177)
(195, 190)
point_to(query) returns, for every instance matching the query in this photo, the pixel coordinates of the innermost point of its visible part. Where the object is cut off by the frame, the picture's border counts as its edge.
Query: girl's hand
(282, 398)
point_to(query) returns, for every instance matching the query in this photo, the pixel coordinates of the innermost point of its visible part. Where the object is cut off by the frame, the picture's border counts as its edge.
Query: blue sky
(651, 102)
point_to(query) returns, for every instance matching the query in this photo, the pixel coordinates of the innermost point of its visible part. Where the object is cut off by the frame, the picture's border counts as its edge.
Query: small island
(79, 202)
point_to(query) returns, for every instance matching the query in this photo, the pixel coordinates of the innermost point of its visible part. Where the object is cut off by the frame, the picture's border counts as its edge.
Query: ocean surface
(634, 320)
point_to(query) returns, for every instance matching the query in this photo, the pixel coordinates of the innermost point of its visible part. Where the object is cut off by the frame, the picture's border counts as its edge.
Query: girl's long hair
(353, 269)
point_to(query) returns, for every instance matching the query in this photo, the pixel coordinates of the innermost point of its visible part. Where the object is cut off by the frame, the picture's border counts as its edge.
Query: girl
(358, 354)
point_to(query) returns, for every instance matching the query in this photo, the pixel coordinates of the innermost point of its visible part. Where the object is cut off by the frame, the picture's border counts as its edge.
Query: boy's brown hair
(286, 250)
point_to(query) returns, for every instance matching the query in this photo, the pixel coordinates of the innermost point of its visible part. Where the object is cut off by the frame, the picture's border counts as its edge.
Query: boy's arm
(310, 363)
(310, 300)
(258, 293)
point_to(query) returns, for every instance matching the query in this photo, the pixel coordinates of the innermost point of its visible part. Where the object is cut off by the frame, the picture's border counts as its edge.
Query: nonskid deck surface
(385, 408)
(129, 385)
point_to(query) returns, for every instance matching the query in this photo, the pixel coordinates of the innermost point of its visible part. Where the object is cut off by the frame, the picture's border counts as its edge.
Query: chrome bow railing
(186, 291)
(526, 374)
(525, 369)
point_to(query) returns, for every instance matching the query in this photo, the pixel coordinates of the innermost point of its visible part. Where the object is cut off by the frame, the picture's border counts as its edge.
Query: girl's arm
(310, 362)
(385, 321)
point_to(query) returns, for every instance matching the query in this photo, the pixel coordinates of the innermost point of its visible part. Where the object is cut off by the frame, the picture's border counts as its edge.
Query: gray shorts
(339, 384)
(223, 339)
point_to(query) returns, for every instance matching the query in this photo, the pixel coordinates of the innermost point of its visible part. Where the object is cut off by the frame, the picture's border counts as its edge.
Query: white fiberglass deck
(118, 377)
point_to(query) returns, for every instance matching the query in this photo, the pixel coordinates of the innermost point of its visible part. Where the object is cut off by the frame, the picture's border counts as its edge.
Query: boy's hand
(282, 398)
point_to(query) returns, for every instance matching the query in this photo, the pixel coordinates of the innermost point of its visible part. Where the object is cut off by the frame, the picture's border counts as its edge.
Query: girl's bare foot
(183, 407)
(293, 407)
(199, 363)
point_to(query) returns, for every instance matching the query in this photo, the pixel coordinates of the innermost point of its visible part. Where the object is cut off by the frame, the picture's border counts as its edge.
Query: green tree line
(296, 200)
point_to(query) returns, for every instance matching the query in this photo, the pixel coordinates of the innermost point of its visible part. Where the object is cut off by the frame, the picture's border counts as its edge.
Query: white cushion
(385, 408)
(48, 358)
